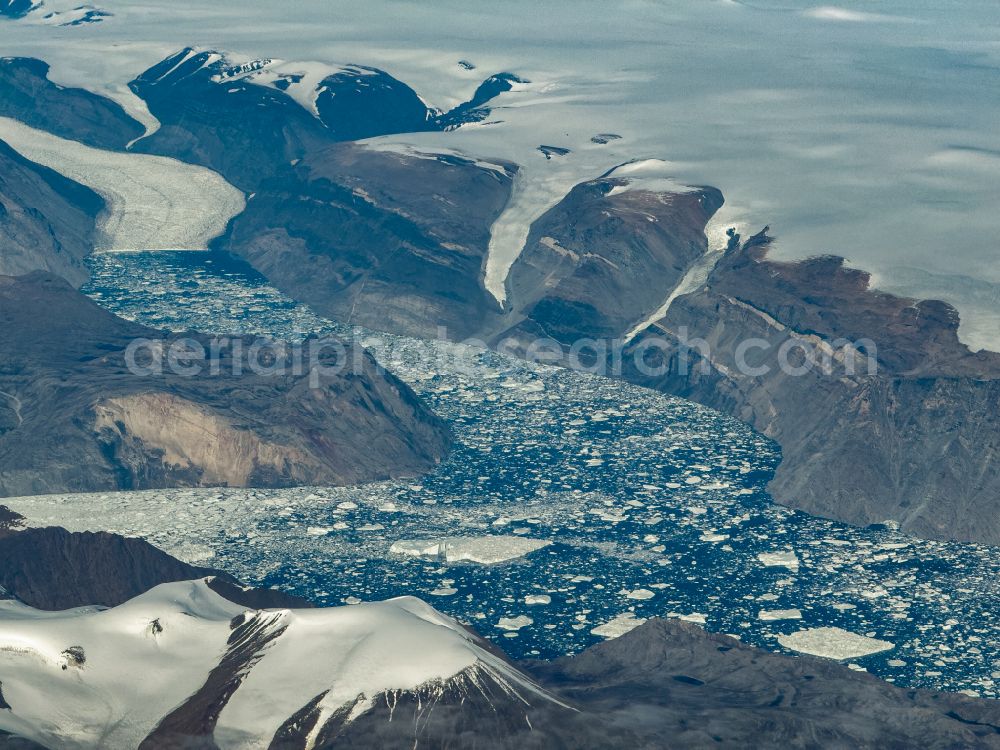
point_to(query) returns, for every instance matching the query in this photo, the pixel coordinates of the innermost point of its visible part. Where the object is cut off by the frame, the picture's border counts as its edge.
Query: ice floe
(833, 643)
(785, 559)
(484, 550)
(770, 615)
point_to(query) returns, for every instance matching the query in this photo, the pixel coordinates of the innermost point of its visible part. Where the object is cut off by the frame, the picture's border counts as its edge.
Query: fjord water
(651, 506)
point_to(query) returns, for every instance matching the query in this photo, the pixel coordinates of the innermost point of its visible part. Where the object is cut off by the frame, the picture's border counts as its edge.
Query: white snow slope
(153, 203)
(144, 658)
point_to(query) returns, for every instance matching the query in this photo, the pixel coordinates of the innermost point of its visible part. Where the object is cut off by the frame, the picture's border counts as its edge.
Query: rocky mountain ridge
(47, 222)
(911, 440)
(124, 423)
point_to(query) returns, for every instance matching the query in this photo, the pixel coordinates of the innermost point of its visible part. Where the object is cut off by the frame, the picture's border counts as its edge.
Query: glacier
(153, 202)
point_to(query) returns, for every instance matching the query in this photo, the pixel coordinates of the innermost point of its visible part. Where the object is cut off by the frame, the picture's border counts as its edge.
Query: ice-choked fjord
(627, 505)
(153, 203)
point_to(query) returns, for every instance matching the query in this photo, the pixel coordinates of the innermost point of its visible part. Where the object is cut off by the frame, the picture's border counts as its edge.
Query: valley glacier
(153, 203)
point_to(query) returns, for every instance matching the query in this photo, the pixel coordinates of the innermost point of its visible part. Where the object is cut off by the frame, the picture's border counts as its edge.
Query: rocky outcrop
(320, 414)
(894, 419)
(243, 132)
(27, 94)
(409, 245)
(47, 222)
(53, 569)
(669, 683)
(600, 260)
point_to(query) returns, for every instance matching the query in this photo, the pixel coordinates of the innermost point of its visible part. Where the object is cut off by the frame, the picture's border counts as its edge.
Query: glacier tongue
(153, 203)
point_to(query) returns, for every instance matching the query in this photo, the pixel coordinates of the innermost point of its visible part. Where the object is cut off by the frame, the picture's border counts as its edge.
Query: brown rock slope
(75, 417)
(599, 261)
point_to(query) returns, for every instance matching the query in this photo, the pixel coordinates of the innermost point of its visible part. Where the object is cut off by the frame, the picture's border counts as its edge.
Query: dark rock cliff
(909, 433)
(216, 114)
(378, 239)
(669, 683)
(54, 569)
(67, 381)
(46, 221)
(27, 94)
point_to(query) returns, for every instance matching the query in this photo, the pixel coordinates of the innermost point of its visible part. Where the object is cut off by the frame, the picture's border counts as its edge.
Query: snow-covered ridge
(61, 13)
(652, 175)
(90, 678)
(302, 81)
(153, 203)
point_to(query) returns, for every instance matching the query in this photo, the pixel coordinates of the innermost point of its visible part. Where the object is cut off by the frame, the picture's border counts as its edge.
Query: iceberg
(833, 643)
(484, 550)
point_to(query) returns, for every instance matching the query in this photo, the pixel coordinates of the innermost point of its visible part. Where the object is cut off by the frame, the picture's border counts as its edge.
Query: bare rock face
(671, 684)
(27, 94)
(53, 569)
(410, 244)
(68, 382)
(909, 435)
(215, 113)
(47, 222)
(602, 260)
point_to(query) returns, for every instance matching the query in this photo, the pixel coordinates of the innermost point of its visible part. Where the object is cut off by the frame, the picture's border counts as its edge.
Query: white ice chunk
(784, 559)
(833, 643)
(514, 623)
(770, 615)
(485, 550)
(640, 594)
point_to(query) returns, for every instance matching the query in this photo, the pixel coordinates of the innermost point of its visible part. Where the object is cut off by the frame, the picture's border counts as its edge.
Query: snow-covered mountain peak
(53, 12)
(114, 677)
